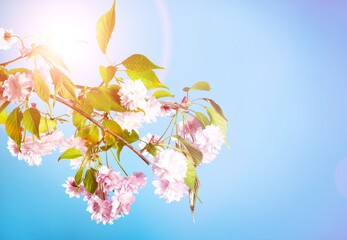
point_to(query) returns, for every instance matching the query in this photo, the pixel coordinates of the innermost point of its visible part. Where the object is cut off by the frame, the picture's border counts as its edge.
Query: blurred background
(279, 71)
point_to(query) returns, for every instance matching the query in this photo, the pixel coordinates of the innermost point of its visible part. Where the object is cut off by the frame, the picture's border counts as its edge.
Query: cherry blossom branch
(4, 64)
(72, 106)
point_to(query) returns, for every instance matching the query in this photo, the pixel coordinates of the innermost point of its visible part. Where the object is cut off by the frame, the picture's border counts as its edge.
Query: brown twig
(72, 106)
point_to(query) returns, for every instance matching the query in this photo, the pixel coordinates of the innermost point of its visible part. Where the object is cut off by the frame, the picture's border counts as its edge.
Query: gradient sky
(278, 69)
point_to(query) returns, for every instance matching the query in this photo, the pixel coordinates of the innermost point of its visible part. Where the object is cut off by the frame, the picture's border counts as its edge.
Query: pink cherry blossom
(171, 191)
(130, 120)
(152, 108)
(132, 94)
(32, 150)
(101, 210)
(109, 179)
(189, 128)
(71, 188)
(18, 87)
(122, 202)
(6, 39)
(209, 141)
(170, 165)
(134, 183)
(166, 110)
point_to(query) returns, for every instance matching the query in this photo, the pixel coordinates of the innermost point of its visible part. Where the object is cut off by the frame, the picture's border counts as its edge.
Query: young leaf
(63, 86)
(130, 137)
(192, 181)
(41, 87)
(46, 124)
(79, 175)
(78, 120)
(89, 181)
(191, 177)
(113, 127)
(193, 151)
(107, 73)
(193, 195)
(215, 107)
(112, 92)
(203, 86)
(139, 63)
(90, 133)
(99, 100)
(148, 77)
(217, 119)
(70, 153)
(150, 147)
(104, 28)
(12, 126)
(204, 121)
(161, 94)
(31, 121)
(3, 116)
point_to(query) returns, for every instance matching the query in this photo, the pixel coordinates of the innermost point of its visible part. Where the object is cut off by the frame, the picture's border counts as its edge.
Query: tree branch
(4, 64)
(72, 106)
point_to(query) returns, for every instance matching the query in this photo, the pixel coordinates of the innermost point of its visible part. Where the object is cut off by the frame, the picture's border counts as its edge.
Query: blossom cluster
(208, 140)
(195, 138)
(32, 150)
(114, 196)
(142, 108)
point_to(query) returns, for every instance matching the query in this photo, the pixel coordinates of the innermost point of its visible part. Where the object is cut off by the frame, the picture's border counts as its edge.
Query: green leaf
(104, 28)
(192, 181)
(31, 121)
(193, 151)
(204, 121)
(107, 73)
(139, 63)
(89, 181)
(191, 176)
(113, 127)
(70, 153)
(3, 116)
(193, 195)
(216, 107)
(90, 133)
(41, 87)
(203, 86)
(50, 54)
(162, 93)
(148, 77)
(46, 124)
(63, 86)
(112, 92)
(151, 149)
(130, 137)
(99, 99)
(217, 119)
(12, 126)
(77, 119)
(79, 175)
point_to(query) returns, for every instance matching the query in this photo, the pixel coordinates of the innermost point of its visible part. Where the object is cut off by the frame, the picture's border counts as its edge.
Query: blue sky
(278, 69)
